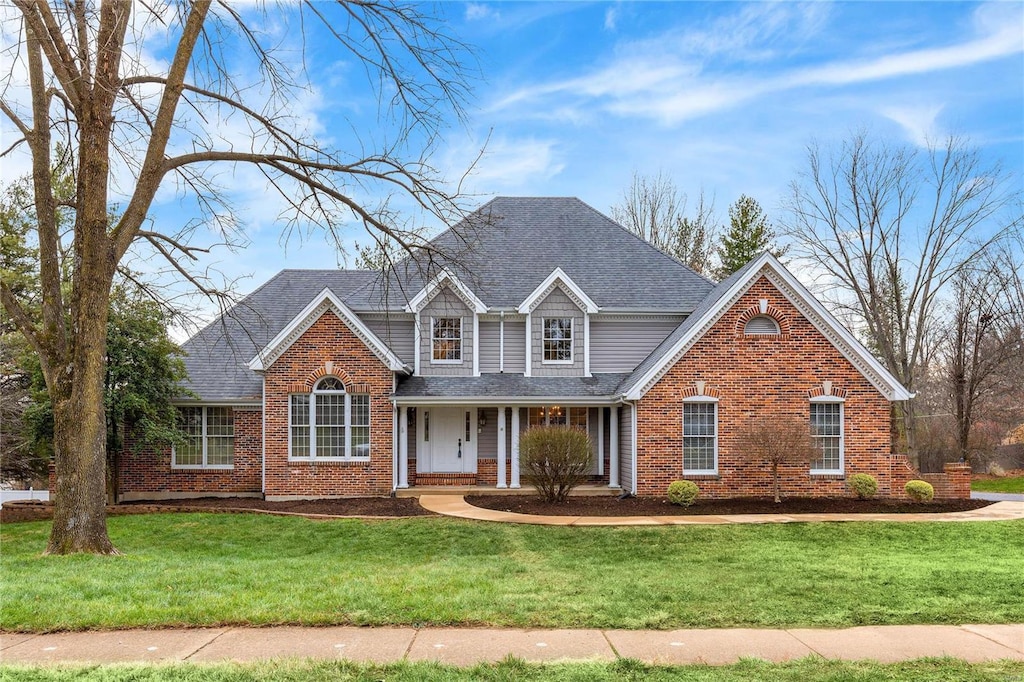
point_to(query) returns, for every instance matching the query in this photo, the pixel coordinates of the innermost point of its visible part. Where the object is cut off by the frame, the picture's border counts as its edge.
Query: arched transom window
(762, 325)
(329, 423)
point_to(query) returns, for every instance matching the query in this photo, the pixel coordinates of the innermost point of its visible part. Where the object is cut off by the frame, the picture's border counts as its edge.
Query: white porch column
(403, 446)
(600, 441)
(515, 447)
(613, 449)
(502, 454)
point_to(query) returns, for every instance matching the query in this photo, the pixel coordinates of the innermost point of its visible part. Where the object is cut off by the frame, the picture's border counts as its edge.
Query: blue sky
(723, 97)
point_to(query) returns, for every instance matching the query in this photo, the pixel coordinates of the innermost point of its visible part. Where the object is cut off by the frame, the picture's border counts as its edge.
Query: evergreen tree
(749, 234)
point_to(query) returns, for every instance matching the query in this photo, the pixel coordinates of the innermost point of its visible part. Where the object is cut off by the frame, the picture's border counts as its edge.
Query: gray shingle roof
(503, 385)
(507, 247)
(218, 354)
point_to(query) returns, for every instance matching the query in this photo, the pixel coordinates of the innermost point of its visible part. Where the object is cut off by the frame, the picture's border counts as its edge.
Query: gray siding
(515, 346)
(487, 437)
(557, 304)
(620, 343)
(626, 447)
(592, 433)
(490, 346)
(446, 304)
(412, 432)
(398, 332)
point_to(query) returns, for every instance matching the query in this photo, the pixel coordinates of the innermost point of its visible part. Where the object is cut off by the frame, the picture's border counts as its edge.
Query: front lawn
(1008, 484)
(804, 670)
(211, 569)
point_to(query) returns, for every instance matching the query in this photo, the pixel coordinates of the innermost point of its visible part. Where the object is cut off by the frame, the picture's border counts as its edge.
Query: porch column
(502, 454)
(613, 449)
(600, 441)
(403, 446)
(515, 448)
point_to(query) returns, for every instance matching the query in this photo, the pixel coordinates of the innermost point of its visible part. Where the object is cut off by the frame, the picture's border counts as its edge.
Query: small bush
(683, 493)
(920, 491)
(995, 470)
(554, 460)
(863, 486)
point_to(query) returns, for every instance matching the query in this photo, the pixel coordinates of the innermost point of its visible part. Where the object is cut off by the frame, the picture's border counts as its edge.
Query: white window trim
(312, 456)
(682, 417)
(842, 434)
(572, 340)
(462, 341)
(203, 439)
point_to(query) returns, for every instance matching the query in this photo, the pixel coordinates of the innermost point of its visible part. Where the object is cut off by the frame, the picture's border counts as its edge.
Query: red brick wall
(328, 347)
(754, 376)
(149, 470)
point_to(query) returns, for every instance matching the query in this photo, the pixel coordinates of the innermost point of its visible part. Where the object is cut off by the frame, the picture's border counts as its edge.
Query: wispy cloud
(611, 18)
(917, 121)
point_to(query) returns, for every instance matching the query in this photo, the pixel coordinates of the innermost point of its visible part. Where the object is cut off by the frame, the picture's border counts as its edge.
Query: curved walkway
(456, 505)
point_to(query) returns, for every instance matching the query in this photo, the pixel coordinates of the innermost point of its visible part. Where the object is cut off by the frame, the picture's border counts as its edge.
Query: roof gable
(323, 302)
(437, 284)
(725, 295)
(561, 280)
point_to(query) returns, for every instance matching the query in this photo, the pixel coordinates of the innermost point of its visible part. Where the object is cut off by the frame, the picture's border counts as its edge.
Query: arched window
(761, 325)
(329, 423)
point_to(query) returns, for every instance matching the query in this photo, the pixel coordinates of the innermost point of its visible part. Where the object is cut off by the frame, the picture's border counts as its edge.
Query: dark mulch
(355, 506)
(655, 506)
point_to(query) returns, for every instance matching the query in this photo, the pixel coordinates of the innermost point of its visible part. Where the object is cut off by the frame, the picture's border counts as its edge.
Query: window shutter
(761, 325)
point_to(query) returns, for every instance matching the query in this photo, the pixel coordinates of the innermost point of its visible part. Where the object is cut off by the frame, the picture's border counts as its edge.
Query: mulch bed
(354, 506)
(654, 506)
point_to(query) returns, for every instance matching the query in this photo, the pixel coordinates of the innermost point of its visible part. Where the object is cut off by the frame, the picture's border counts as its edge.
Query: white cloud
(917, 120)
(611, 17)
(476, 11)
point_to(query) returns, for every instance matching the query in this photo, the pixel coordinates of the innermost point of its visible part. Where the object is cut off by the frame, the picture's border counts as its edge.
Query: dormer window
(446, 339)
(762, 325)
(558, 339)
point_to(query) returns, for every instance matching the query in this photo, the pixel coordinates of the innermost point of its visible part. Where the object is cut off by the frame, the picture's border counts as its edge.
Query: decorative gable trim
(561, 280)
(769, 267)
(434, 287)
(323, 302)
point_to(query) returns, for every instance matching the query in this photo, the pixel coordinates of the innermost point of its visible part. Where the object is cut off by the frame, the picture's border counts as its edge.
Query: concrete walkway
(456, 505)
(468, 646)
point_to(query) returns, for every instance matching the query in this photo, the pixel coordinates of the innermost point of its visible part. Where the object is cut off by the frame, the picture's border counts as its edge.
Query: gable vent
(760, 325)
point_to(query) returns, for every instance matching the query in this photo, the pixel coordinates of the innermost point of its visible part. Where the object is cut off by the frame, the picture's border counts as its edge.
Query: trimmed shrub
(920, 491)
(863, 486)
(683, 493)
(554, 460)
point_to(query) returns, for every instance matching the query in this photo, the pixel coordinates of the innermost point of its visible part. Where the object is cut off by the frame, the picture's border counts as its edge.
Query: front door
(448, 439)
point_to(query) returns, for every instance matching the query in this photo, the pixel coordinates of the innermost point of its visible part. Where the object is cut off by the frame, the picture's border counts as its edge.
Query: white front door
(448, 439)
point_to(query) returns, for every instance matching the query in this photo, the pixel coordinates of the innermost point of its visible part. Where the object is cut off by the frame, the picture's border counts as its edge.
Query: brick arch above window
(326, 369)
(701, 390)
(764, 310)
(826, 389)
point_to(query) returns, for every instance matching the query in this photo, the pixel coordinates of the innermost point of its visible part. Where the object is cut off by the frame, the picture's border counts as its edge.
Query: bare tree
(653, 208)
(127, 126)
(778, 441)
(892, 226)
(984, 343)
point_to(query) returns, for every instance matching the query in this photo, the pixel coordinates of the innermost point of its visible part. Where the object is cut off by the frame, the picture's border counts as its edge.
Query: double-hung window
(329, 423)
(558, 339)
(827, 430)
(209, 438)
(700, 437)
(446, 339)
(573, 417)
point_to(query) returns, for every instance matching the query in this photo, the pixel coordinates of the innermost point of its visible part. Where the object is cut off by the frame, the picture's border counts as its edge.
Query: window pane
(220, 421)
(699, 436)
(300, 425)
(447, 338)
(536, 416)
(361, 425)
(330, 384)
(578, 418)
(826, 426)
(558, 338)
(220, 451)
(190, 452)
(556, 416)
(330, 425)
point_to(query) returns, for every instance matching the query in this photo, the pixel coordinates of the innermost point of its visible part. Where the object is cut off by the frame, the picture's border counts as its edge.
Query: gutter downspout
(263, 445)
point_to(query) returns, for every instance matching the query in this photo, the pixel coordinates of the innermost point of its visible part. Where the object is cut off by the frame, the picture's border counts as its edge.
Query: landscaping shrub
(920, 491)
(995, 470)
(863, 486)
(683, 493)
(554, 460)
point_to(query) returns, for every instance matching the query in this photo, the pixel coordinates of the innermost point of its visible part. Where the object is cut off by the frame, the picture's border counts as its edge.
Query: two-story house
(341, 383)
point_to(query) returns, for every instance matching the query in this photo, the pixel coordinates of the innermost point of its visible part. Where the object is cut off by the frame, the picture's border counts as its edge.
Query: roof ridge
(644, 241)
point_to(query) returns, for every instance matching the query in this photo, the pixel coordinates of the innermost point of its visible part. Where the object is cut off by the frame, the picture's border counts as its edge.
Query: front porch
(585, 490)
(469, 448)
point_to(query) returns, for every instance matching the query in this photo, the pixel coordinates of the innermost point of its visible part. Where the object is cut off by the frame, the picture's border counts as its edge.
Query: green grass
(212, 569)
(1010, 484)
(804, 670)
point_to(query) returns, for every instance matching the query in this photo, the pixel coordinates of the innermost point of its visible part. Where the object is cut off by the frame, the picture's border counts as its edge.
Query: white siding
(620, 343)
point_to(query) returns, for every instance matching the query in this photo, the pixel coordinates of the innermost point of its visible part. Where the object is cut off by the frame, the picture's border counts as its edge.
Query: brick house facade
(363, 383)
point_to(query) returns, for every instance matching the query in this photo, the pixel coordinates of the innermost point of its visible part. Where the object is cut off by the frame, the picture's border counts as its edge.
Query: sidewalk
(456, 505)
(468, 646)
